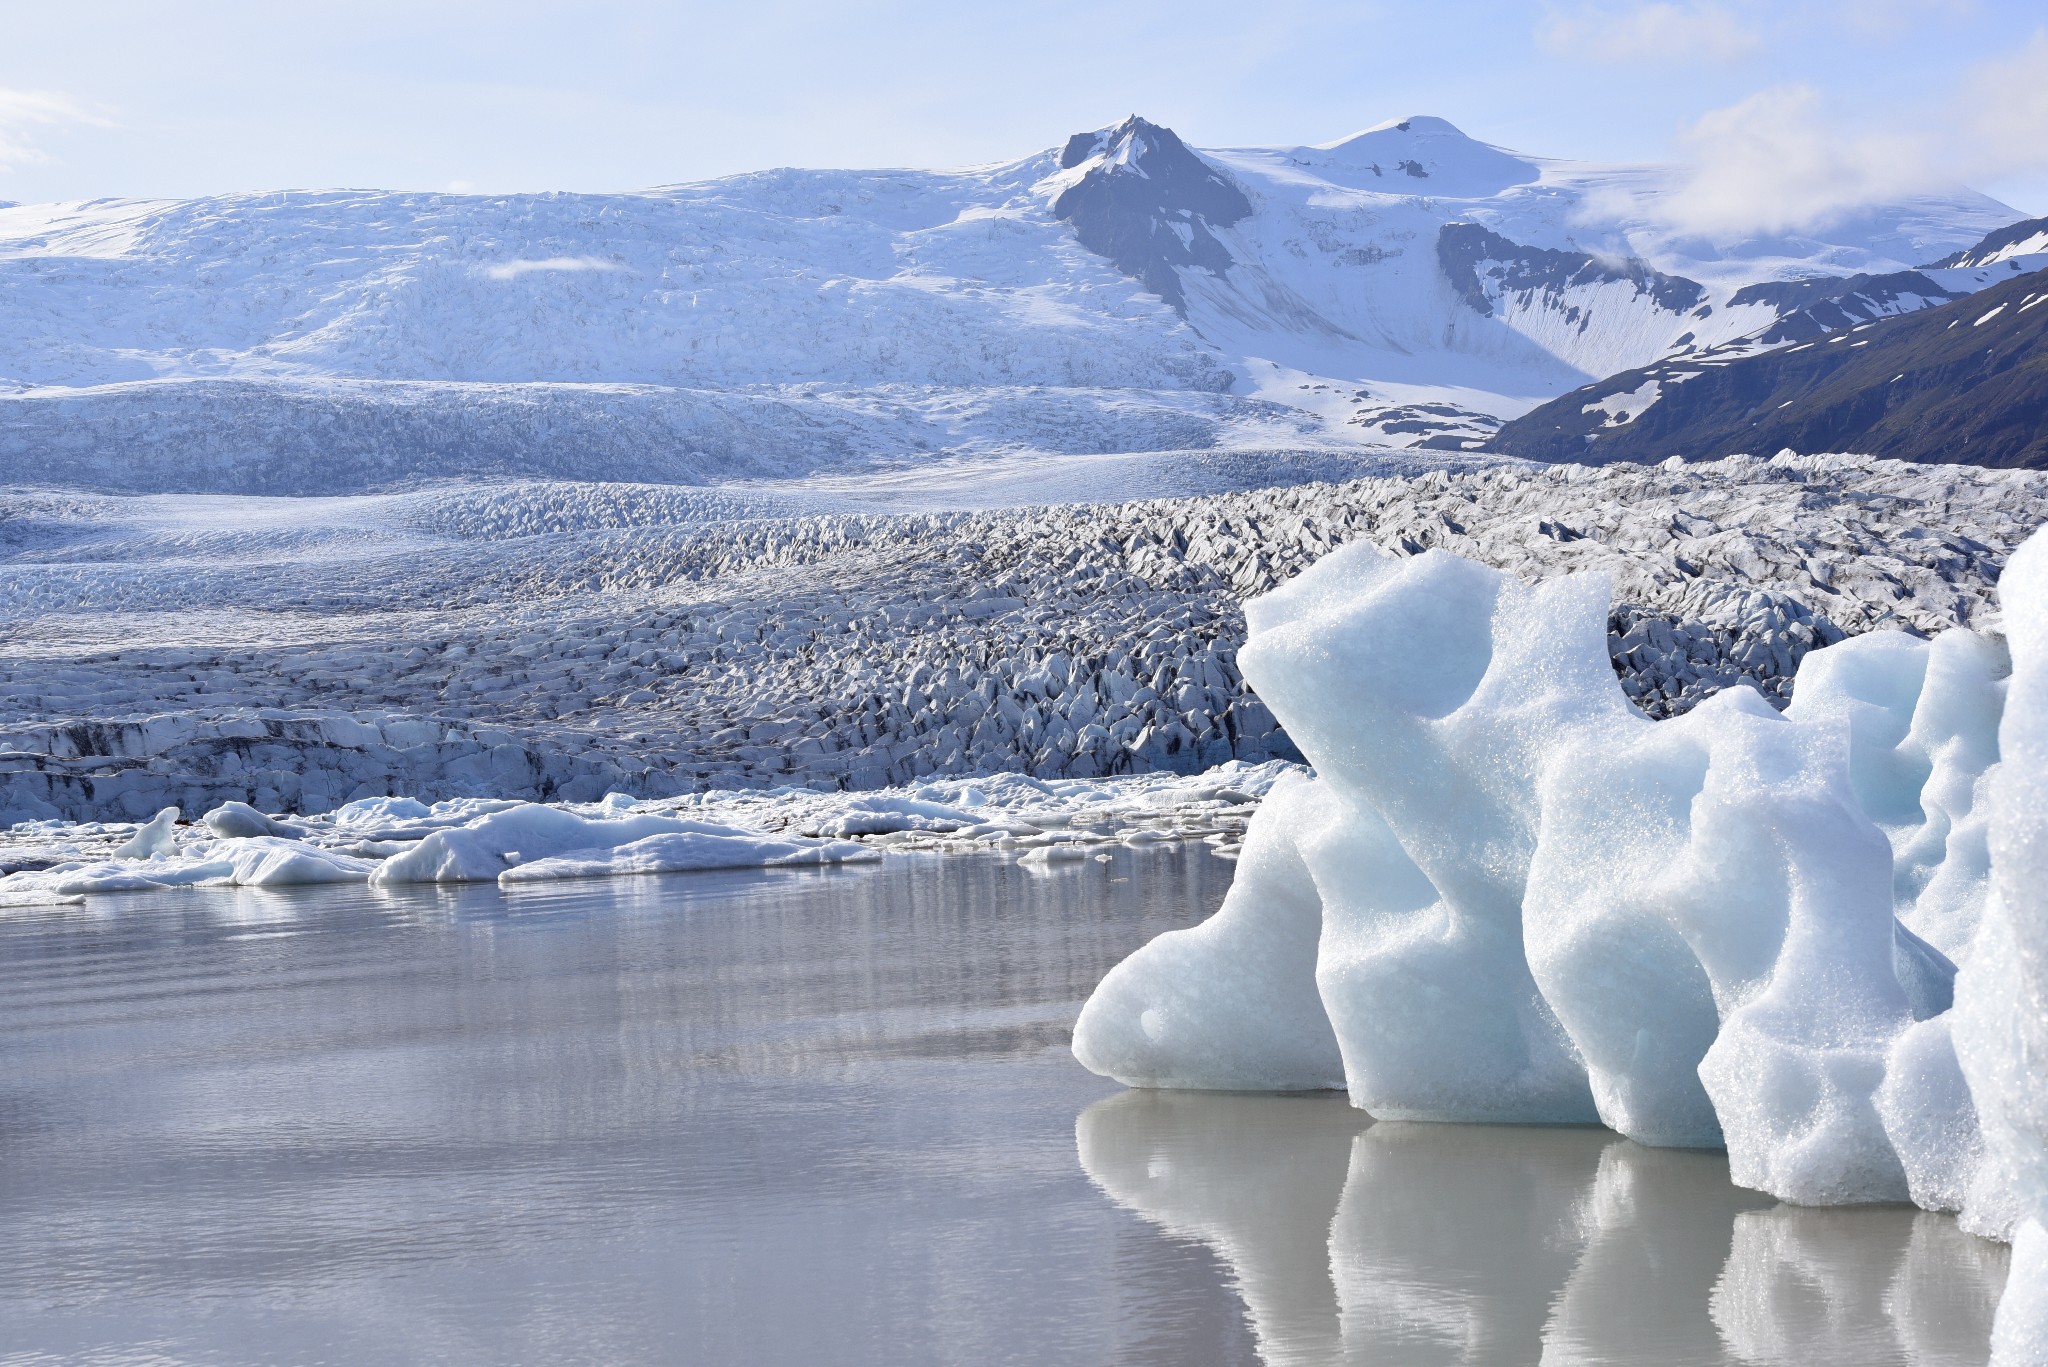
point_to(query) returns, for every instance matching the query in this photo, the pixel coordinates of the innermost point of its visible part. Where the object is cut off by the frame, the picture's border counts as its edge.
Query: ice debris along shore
(1508, 896)
(394, 842)
(555, 642)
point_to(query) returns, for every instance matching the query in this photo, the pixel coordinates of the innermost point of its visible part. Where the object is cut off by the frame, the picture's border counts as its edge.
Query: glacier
(1813, 936)
(557, 641)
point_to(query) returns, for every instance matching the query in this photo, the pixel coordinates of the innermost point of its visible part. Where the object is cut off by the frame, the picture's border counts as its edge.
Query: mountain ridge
(1119, 287)
(1963, 381)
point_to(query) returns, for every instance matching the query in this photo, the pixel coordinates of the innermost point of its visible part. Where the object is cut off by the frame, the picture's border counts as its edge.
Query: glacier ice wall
(1727, 927)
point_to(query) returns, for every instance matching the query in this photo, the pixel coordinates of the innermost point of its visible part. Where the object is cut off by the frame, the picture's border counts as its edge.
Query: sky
(1783, 110)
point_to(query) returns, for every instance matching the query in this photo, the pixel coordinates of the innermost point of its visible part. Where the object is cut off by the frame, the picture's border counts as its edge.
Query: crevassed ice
(1529, 903)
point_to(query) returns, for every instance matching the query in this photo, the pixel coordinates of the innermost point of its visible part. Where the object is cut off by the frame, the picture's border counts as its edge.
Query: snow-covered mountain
(1123, 292)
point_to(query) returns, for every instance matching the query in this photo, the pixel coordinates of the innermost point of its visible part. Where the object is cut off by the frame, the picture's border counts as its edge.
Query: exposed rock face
(1481, 265)
(1821, 305)
(1965, 381)
(557, 641)
(1149, 205)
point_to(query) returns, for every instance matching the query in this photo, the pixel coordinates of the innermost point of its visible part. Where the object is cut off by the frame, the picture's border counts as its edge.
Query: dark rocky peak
(1183, 182)
(1482, 266)
(1150, 204)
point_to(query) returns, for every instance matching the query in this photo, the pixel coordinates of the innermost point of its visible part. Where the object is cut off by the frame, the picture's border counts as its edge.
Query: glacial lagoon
(815, 1117)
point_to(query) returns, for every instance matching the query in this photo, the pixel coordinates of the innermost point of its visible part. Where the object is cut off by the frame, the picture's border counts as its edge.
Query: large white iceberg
(1534, 904)
(2001, 1015)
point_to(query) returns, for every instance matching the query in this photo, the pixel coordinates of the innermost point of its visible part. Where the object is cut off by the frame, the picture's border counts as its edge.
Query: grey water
(814, 1117)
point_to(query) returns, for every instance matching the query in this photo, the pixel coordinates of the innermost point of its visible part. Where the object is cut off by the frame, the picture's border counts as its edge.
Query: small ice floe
(1065, 852)
(690, 851)
(389, 842)
(885, 814)
(154, 839)
(240, 821)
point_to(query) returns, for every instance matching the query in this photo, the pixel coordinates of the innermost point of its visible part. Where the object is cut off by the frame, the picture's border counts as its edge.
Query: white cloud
(22, 112)
(1897, 18)
(1662, 31)
(1776, 163)
(2005, 112)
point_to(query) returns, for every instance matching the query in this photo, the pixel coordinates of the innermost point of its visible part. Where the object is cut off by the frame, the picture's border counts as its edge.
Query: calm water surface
(814, 1118)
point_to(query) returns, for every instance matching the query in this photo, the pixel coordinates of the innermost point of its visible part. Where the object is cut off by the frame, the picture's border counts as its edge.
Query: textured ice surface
(556, 642)
(1231, 1003)
(2001, 1016)
(1535, 901)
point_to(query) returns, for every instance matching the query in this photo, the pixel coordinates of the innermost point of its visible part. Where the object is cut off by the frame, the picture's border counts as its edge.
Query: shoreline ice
(392, 842)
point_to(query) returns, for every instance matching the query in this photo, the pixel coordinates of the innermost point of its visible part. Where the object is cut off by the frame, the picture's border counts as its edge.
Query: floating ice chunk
(1062, 852)
(1427, 693)
(155, 839)
(238, 821)
(690, 850)
(154, 875)
(1230, 1004)
(524, 833)
(271, 862)
(1538, 905)
(375, 811)
(2001, 1014)
(252, 861)
(885, 815)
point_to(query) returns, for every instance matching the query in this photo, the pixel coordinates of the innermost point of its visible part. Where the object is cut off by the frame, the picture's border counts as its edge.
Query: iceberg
(1507, 895)
(154, 839)
(2001, 1014)
(1229, 1004)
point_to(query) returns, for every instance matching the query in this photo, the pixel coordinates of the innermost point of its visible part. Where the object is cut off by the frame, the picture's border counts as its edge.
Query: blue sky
(1860, 97)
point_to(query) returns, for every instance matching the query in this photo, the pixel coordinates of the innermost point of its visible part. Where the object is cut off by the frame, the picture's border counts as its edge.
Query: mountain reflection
(1394, 1244)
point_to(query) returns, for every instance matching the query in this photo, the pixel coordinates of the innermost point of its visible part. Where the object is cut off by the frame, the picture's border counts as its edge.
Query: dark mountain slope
(1967, 381)
(1149, 204)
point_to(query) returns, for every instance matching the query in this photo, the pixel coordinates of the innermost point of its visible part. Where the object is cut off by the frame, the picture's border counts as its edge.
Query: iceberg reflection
(1354, 1242)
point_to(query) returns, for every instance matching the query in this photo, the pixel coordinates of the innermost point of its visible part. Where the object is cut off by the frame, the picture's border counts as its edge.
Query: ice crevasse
(1819, 938)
